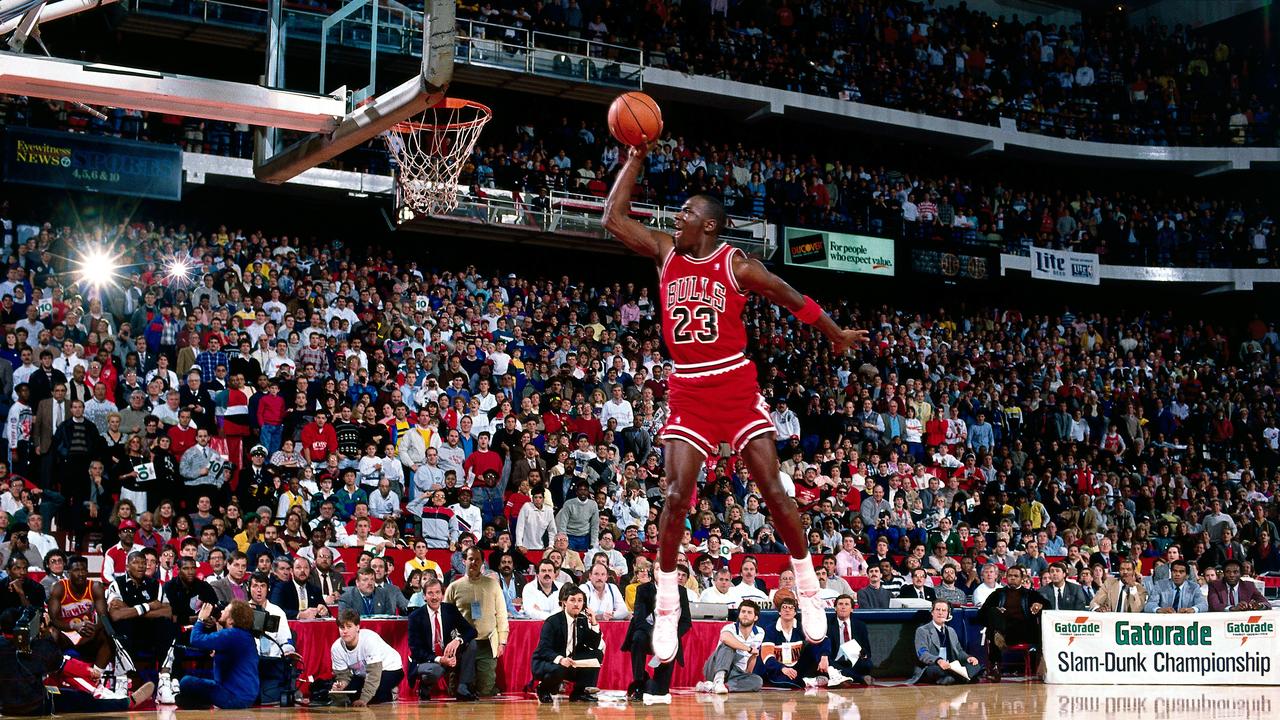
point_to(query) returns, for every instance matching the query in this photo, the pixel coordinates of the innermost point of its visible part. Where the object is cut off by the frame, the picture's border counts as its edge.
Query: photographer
(30, 661)
(235, 673)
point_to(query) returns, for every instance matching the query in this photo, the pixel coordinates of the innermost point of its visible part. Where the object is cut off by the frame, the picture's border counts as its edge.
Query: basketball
(635, 119)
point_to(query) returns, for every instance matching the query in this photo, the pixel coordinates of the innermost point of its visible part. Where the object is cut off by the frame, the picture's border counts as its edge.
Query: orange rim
(449, 103)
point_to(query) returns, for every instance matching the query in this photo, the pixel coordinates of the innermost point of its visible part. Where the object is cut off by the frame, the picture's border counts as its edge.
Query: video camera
(264, 622)
(27, 628)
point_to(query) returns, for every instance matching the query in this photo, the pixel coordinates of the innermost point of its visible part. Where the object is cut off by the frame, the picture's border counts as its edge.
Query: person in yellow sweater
(479, 598)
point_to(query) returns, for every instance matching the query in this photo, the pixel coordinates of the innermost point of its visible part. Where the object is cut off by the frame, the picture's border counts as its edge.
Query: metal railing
(573, 214)
(399, 32)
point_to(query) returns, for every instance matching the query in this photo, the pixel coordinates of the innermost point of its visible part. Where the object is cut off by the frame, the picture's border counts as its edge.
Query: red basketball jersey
(702, 312)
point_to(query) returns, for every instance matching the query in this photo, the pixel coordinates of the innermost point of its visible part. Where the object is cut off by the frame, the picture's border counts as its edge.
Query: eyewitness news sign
(1088, 648)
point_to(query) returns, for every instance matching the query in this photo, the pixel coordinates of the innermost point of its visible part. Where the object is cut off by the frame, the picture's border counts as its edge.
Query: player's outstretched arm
(754, 277)
(618, 221)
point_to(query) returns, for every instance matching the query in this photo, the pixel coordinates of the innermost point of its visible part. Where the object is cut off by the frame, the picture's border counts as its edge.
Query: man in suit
(1178, 594)
(1105, 555)
(235, 586)
(1060, 594)
(1230, 593)
(51, 412)
(521, 468)
(325, 577)
(874, 596)
(568, 637)
(938, 649)
(365, 598)
(839, 668)
(441, 642)
(639, 642)
(1223, 551)
(919, 587)
(298, 598)
(1122, 594)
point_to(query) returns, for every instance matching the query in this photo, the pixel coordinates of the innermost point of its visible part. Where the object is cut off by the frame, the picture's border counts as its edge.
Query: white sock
(719, 677)
(668, 590)
(806, 577)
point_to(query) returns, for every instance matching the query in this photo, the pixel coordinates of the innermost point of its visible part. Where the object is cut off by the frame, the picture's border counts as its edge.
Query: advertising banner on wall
(839, 251)
(1064, 265)
(1231, 648)
(92, 163)
(953, 264)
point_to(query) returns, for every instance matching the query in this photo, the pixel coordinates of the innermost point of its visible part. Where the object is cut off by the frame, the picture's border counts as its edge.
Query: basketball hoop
(431, 151)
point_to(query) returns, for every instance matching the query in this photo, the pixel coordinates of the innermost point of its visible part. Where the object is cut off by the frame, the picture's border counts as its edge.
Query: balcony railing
(400, 33)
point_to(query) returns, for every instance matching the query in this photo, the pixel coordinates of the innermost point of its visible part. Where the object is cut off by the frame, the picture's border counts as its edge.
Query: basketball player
(77, 605)
(714, 394)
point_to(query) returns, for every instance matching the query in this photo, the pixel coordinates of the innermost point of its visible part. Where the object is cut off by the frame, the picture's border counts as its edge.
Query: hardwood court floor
(1005, 701)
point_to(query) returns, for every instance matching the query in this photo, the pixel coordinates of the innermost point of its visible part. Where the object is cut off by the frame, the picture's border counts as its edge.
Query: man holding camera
(235, 673)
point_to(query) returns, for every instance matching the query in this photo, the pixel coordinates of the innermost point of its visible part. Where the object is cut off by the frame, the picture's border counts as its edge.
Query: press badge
(475, 610)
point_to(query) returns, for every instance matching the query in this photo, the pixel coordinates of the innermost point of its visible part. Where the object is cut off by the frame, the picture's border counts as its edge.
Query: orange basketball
(635, 119)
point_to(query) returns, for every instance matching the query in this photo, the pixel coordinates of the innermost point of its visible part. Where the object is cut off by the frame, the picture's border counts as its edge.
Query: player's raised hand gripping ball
(635, 119)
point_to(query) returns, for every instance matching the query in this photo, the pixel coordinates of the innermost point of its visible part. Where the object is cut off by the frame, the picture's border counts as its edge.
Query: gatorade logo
(1080, 627)
(1253, 626)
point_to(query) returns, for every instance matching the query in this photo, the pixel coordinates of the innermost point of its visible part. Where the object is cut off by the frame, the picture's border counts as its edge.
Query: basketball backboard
(336, 120)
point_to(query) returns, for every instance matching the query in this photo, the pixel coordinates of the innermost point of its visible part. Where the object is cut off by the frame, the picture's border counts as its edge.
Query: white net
(430, 152)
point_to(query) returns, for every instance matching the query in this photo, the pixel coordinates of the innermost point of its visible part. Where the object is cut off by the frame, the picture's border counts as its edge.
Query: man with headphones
(940, 657)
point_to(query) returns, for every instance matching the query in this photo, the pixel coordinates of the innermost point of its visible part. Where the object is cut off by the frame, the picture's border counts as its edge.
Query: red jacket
(182, 440)
(319, 441)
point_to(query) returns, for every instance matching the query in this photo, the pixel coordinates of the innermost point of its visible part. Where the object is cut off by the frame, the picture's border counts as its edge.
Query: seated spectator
(1178, 594)
(940, 658)
(1231, 593)
(365, 598)
(920, 588)
(540, 599)
(1060, 594)
(569, 638)
(731, 668)
(1011, 615)
(364, 665)
(1121, 594)
(874, 596)
(298, 598)
(786, 659)
(603, 598)
(835, 665)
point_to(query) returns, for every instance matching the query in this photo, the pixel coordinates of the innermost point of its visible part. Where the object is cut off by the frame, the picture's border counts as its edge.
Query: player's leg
(682, 463)
(761, 456)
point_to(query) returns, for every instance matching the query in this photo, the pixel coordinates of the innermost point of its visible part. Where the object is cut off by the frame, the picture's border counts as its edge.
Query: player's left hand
(848, 339)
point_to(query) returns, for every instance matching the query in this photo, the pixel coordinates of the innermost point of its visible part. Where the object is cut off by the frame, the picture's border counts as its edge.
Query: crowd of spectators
(794, 187)
(1100, 79)
(283, 399)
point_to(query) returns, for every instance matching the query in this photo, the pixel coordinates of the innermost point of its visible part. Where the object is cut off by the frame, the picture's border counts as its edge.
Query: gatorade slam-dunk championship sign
(1235, 648)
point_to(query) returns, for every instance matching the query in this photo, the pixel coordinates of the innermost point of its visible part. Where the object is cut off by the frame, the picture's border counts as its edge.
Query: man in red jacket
(318, 440)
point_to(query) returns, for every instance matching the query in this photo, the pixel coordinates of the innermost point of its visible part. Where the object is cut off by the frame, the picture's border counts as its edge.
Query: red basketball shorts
(710, 409)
